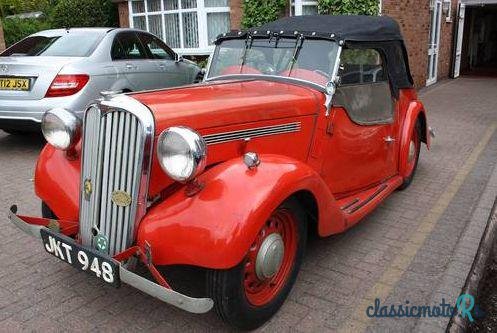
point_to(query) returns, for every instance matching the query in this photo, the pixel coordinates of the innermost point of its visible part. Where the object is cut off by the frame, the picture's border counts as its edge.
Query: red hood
(227, 103)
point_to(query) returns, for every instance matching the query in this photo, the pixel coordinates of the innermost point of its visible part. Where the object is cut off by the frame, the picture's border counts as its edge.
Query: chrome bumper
(190, 304)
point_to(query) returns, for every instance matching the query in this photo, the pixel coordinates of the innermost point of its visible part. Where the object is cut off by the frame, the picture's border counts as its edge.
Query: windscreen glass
(307, 59)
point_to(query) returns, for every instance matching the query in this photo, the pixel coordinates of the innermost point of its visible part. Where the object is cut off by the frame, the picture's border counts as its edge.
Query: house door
(434, 42)
(459, 41)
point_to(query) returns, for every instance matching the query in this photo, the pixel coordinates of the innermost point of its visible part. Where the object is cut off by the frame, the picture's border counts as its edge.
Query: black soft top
(357, 28)
(353, 31)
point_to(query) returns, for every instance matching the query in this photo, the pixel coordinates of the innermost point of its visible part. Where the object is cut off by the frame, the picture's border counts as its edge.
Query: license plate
(82, 258)
(10, 83)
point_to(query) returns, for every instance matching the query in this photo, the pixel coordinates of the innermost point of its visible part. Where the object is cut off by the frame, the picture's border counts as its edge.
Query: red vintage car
(303, 124)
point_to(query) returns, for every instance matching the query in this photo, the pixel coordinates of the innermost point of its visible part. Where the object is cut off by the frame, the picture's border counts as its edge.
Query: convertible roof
(343, 27)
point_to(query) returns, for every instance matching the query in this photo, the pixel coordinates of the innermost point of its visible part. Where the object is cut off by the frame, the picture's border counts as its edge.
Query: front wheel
(249, 294)
(412, 155)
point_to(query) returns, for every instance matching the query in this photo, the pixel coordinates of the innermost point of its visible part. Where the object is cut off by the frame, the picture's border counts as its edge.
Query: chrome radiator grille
(114, 180)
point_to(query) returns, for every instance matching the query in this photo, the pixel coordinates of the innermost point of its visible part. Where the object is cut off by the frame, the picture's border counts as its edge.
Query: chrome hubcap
(412, 152)
(270, 256)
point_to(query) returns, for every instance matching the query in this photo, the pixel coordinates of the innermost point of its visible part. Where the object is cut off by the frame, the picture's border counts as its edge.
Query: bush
(15, 29)
(84, 13)
(258, 12)
(358, 7)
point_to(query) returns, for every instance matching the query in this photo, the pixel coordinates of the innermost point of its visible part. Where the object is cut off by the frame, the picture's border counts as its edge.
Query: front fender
(414, 112)
(216, 227)
(57, 182)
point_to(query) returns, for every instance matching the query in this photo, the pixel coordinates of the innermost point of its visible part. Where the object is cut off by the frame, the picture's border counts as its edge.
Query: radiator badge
(121, 198)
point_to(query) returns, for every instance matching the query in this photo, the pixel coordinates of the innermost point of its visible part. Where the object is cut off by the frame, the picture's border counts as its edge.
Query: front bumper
(32, 226)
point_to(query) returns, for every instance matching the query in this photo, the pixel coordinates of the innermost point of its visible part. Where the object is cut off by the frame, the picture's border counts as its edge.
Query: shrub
(15, 29)
(358, 7)
(84, 13)
(258, 12)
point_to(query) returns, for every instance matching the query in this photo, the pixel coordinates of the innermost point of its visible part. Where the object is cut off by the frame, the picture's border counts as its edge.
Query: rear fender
(216, 227)
(414, 113)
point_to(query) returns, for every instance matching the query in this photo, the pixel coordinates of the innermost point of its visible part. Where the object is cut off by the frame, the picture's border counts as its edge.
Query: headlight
(182, 153)
(61, 128)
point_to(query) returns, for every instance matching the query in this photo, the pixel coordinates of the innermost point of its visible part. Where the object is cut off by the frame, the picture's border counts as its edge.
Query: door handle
(389, 139)
(129, 66)
(162, 66)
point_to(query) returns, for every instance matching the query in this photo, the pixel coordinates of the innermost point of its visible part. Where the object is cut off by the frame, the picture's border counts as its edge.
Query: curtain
(185, 4)
(217, 23)
(217, 3)
(172, 30)
(139, 22)
(190, 30)
(138, 6)
(170, 4)
(155, 25)
(153, 5)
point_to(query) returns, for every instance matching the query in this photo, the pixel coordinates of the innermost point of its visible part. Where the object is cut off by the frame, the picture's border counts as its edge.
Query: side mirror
(178, 58)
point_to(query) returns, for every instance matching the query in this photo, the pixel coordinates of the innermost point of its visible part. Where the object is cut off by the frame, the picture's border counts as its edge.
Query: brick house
(189, 26)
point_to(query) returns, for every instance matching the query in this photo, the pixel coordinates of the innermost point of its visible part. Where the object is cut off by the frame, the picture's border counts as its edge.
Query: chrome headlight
(182, 153)
(61, 128)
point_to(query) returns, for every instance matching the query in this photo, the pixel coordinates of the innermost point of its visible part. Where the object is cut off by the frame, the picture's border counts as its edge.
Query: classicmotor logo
(465, 307)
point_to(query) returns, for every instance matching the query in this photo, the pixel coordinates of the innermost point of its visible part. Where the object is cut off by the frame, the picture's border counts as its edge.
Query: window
(127, 46)
(72, 44)
(157, 49)
(188, 26)
(303, 7)
(364, 91)
(362, 66)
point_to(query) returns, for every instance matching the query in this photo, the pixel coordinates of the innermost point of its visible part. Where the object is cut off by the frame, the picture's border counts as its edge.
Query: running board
(355, 207)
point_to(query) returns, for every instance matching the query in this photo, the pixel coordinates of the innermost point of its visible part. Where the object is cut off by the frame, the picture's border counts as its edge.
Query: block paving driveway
(400, 253)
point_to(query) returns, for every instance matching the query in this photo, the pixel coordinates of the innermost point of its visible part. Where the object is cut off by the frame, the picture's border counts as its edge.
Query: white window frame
(203, 33)
(299, 6)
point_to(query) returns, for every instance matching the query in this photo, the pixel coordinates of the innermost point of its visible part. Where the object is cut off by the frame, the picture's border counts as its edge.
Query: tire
(413, 164)
(46, 212)
(16, 132)
(242, 299)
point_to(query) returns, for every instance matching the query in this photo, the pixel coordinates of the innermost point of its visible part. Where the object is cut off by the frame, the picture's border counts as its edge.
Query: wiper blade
(248, 45)
(296, 52)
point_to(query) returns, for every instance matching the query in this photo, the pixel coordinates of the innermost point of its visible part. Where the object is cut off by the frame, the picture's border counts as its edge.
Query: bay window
(187, 26)
(303, 7)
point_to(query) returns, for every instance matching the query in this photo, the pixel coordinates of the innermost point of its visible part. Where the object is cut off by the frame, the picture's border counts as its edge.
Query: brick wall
(447, 44)
(236, 14)
(2, 39)
(123, 10)
(414, 20)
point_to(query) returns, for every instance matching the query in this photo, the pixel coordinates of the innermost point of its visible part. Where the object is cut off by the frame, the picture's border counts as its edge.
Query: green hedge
(16, 29)
(358, 7)
(258, 12)
(58, 14)
(84, 13)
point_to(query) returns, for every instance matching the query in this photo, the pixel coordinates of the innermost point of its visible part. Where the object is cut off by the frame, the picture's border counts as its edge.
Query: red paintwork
(347, 168)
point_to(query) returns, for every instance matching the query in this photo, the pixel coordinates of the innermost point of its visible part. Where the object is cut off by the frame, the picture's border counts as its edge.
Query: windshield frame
(323, 88)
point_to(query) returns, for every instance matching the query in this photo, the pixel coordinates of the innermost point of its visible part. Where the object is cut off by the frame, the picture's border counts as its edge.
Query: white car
(69, 68)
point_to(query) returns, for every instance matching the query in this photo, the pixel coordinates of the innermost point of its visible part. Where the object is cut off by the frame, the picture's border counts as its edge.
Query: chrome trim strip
(190, 304)
(147, 129)
(216, 138)
(274, 78)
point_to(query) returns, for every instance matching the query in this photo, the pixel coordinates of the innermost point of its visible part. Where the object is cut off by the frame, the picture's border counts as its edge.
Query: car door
(131, 60)
(362, 150)
(172, 73)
